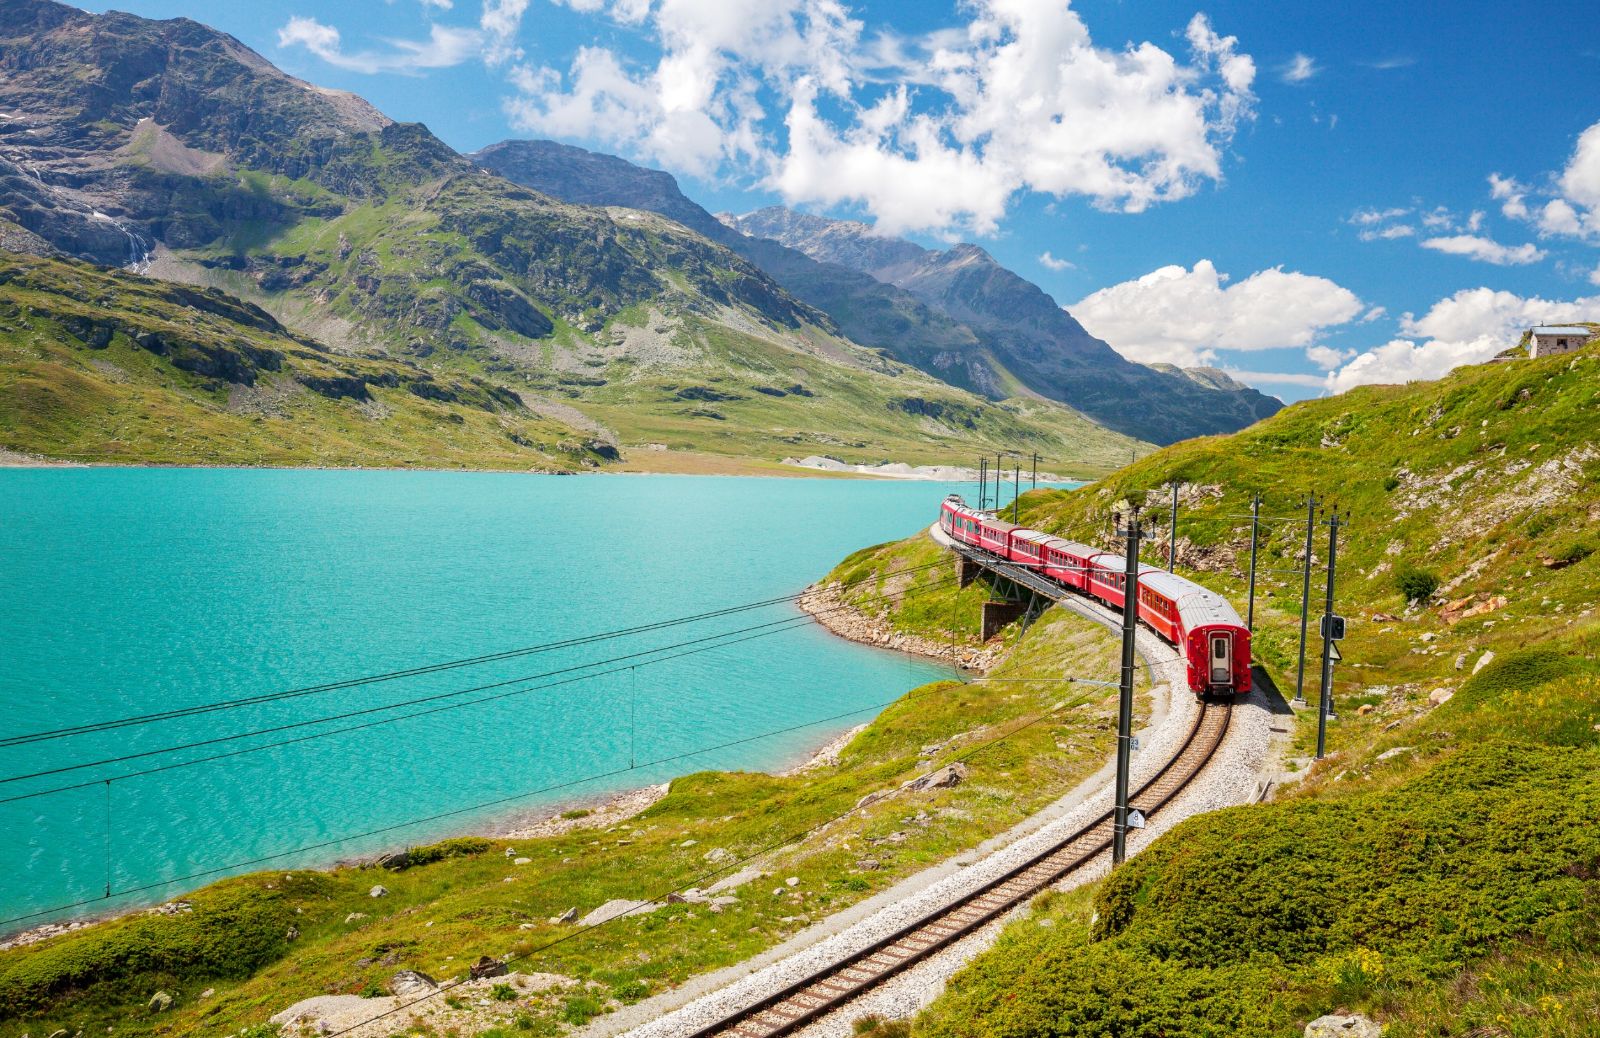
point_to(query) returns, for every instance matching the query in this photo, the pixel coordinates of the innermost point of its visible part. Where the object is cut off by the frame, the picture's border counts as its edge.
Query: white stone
(1483, 661)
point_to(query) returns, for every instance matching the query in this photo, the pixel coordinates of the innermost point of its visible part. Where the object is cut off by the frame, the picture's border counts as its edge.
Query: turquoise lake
(126, 591)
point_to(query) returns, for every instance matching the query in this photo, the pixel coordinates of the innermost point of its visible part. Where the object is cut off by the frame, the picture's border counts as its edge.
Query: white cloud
(1299, 68)
(1389, 233)
(500, 21)
(443, 5)
(1368, 217)
(1574, 211)
(1018, 99)
(1594, 276)
(1327, 358)
(1486, 249)
(1183, 316)
(1468, 327)
(444, 47)
(1373, 314)
(1056, 264)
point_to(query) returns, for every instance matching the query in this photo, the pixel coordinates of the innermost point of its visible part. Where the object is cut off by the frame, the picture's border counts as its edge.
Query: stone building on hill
(1548, 339)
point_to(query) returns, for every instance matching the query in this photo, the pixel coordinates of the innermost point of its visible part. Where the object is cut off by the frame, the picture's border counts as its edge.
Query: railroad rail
(830, 987)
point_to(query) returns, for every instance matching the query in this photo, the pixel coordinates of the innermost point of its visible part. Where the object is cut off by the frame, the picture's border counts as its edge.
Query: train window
(1219, 648)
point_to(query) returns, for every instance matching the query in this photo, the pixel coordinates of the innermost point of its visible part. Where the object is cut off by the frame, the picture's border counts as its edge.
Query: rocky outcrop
(1334, 1026)
(827, 604)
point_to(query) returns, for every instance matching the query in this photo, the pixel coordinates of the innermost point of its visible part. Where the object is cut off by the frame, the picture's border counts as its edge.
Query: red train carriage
(1201, 624)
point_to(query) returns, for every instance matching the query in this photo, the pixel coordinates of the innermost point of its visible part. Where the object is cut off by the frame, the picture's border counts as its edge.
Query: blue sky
(1313, 196)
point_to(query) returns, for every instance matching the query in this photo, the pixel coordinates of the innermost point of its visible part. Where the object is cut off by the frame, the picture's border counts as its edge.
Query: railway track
(827, 989)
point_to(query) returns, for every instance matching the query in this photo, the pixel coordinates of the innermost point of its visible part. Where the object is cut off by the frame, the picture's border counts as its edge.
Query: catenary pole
(1172, 536)
(1130, 624)
(999, 473)
(1033, 484)
(1325, 703)
(1305, 601)
(983, 483)
(1255, 531)
(1016, 488)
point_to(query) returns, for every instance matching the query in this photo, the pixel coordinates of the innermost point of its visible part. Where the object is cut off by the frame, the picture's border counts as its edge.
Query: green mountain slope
(1440, 871)
(99, 365)
(171, 147)
(957, 315)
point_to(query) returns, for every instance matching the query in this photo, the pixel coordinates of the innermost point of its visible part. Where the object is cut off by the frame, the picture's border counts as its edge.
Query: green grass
(1025, 743)
(113, 400)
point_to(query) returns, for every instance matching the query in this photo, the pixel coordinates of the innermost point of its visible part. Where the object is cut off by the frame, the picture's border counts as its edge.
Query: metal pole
(1172, 538)
(1325, 705)
(998, 473)
(983, 483)
(1255, 528)
(1130, 622)
(1016, 488)
(1305, 602)
(1033, 483)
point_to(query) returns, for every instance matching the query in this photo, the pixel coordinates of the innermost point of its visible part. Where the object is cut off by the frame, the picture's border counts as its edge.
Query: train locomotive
(1199, 623)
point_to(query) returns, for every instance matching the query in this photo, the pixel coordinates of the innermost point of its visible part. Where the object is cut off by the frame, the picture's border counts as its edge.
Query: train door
(1221, 659)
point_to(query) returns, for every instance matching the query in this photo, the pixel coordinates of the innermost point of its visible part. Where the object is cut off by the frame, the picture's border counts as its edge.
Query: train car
(959, 521)
(994, 535)
(1027, 547)
(1067, 562)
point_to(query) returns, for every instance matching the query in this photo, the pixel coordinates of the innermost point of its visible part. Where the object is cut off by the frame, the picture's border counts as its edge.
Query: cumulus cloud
(1056, 264)
(1389, 233)
(1468, 327)
(1572, 206)
(443, 48)
(1327, 358)
(1184, 316)
(1486, 249)
(1299, 68)
(937, 133)
(1594, 276)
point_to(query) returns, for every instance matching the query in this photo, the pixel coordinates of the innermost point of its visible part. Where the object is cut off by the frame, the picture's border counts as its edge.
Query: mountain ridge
(172, 148)
(957, 315)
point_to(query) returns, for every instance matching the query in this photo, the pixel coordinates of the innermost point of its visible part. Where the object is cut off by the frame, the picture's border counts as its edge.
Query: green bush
(231, 932)
(1417, 585)
(503, 993)
(1390, 482)
(461, 847)
(1521, 669)
(630, 991)
(1574, 551)
(579, 1009)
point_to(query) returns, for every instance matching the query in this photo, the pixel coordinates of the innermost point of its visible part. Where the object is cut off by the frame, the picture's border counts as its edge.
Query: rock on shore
(826, 604)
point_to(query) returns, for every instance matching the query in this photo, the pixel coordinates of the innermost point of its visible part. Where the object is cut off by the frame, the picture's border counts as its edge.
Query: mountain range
(612, 306)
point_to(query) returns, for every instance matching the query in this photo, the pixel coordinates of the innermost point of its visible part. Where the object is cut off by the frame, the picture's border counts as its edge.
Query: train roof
(1038, 537)
(1199, 605)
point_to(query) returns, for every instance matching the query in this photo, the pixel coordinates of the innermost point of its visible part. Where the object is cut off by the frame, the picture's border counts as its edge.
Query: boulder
(717, 855)
(355, 917)
(1364, 709)
(1483, 661)
(569, 916)
(486, 967)
(409, 984)
(1391, 754)
(160, 1002)
(378, 891)
(618, 907)
(1440, 696)
(1356, 1026)
(946, 777)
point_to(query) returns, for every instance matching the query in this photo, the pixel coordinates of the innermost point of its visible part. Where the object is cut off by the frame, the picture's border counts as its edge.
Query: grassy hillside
(101, 366)
(1440, 871)
(1024, 743)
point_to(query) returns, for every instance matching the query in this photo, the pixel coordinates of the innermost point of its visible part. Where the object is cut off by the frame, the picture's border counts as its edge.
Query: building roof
(1562, 329)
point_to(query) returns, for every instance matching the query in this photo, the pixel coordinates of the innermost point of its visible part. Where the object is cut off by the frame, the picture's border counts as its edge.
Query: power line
(738, 862)
(499, 801)
(267, 697)
(786, 623)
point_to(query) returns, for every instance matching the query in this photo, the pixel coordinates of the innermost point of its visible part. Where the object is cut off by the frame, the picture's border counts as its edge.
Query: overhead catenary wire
(635, 659)
(432, 668)
(934, 689)
(694, 883)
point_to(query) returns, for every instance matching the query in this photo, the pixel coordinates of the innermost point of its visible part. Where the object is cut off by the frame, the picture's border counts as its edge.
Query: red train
(1199, 623)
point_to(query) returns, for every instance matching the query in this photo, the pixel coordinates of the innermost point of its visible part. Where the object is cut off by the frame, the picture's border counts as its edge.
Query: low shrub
(461, 847)
(1574, 551)
(503, 993)
(1417, 585)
